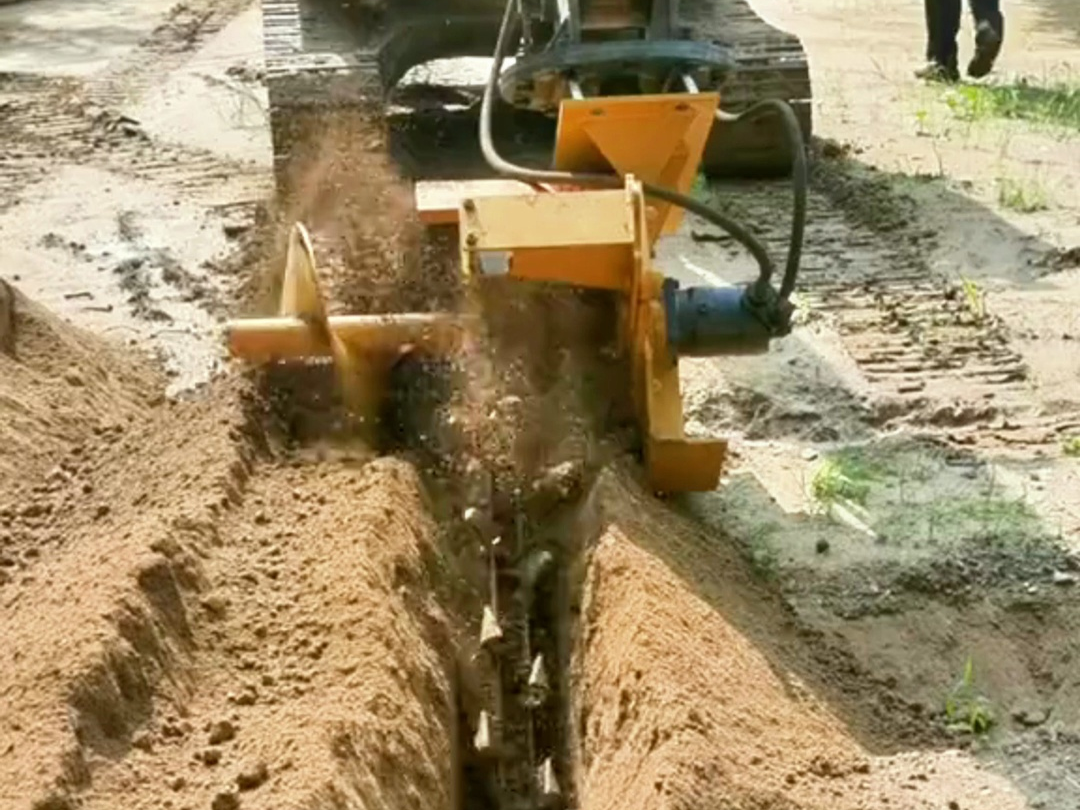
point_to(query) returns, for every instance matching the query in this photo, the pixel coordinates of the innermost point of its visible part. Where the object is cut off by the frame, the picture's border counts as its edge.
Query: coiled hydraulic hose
(762, 291)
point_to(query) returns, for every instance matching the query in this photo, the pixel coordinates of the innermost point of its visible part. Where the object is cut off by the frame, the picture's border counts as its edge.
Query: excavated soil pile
(682, 698)
(59, 387)
(194, 621)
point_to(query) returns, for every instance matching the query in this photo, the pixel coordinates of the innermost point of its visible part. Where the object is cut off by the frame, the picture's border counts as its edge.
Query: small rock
(822, 546)
(225, 801)
(177, 783)
(143, 741)
(222, 731)
(247, 696)
(1031, 716)
(954, 805)
(1064, 578)
(252, 775)
(262, 518)
(73, 377)
(215, 605)
(101, 511)
(210, 756)
(809, 454)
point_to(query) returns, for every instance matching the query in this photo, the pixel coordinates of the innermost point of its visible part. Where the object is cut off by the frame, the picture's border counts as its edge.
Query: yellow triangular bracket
(659, 139)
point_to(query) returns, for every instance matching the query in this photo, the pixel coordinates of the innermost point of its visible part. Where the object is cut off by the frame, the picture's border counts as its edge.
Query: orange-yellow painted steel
(658, 138)
(600, 239)
(580, 237)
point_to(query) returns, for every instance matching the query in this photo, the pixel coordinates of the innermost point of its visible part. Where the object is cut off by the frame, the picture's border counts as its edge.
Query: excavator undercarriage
(324, 57)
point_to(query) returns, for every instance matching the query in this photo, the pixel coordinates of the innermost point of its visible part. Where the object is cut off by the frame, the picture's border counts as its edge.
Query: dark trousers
(943, 24)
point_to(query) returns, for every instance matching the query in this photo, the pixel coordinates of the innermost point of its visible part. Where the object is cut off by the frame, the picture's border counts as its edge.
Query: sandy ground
(207, 604)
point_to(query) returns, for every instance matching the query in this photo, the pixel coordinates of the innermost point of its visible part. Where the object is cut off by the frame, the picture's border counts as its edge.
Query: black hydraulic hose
(499, 164)
(799, 177)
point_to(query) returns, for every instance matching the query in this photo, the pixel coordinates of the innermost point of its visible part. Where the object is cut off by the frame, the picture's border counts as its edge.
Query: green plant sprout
(965, 708)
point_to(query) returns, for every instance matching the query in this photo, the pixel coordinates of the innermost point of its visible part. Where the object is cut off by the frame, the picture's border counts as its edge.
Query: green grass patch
(1057, 103)
(1024, 196)
(991, 518)
(913, 494)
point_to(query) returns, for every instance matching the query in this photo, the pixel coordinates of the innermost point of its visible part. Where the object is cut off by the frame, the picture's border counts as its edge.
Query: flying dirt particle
(177, 783)
(252, 775)
(822, 546)
(226, 800)
(954, 805)
(221, 732)
(101, 511)
(262, 519)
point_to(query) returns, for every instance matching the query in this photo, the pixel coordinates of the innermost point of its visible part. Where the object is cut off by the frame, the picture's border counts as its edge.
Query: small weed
(1058, 103)
(699, 190)
(841, 477)
(966, 709)
(922, 120)
(760, 552)
(1071, 446)
(1026, 197)
(974, 297)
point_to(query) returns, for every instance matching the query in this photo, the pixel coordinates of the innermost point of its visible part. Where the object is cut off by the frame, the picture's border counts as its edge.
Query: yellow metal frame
(602, 239)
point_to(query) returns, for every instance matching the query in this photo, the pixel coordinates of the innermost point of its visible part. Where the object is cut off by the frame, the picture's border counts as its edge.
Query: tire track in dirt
(48, 121)
(932, 355)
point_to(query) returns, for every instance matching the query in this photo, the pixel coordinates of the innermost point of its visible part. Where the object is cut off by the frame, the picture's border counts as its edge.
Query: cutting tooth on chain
(490, 632)
(538, 688)
(482, 739)
(549, 785)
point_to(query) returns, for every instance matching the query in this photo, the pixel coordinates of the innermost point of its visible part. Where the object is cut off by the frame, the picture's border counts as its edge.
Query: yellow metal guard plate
(659, 139)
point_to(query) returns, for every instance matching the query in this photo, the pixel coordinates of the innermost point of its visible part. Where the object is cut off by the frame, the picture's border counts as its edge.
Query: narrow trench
(529, 591)
(530, 744)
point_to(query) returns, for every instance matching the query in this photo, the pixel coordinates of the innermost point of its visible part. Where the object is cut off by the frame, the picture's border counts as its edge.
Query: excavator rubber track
(328, 61)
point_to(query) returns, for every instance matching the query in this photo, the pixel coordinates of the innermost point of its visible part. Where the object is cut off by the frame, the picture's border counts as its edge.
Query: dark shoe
(937, 72)
(987, 48)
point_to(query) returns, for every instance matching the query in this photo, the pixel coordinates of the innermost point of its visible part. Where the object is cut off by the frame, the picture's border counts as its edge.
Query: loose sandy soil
(210, 599)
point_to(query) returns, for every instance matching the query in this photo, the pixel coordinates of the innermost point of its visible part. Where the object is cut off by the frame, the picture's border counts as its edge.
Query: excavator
(643, 95)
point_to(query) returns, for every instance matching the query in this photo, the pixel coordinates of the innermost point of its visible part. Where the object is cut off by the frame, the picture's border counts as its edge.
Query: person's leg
(949, 12)
(932, 32)
(942, 26)
(989, 33)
